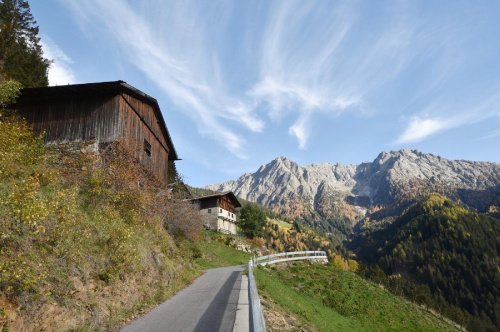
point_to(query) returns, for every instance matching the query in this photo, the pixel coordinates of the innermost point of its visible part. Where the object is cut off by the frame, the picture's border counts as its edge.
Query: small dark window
(209, 210)
(147, 148)
(220, 210)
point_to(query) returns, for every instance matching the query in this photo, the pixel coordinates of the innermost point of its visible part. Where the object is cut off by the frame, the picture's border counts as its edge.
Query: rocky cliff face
(348, 191)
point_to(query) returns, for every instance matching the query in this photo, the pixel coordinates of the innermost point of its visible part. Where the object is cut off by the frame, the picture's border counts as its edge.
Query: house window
(220, 210)
(209, 210)
(147, 148)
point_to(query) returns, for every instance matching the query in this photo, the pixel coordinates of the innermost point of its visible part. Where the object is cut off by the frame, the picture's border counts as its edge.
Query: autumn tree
(9, 91)
(21, 55)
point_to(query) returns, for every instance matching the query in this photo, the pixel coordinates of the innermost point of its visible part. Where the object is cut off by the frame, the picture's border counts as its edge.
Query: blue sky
(242, 82)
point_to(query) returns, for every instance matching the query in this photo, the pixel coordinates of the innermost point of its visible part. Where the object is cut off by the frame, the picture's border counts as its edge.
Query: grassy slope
(82, 245)
(217, 250)
(330, 299)
(280, 223)
(212, 252)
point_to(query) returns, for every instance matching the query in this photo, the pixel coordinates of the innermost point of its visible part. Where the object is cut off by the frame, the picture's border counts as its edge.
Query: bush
(183, 219)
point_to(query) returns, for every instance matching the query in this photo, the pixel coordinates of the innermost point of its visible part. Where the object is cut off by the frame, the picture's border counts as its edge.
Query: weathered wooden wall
(81, 119)
(226, 204)
(103, 118)
(138, 121)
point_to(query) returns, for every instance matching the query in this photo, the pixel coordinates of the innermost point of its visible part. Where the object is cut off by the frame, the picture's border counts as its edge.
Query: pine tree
(21, 55)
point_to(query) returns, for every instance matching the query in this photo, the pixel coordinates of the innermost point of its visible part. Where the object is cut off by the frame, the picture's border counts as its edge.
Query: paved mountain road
(209, 304)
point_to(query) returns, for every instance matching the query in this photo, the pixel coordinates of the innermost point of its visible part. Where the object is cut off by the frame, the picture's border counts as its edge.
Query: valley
(423, 226)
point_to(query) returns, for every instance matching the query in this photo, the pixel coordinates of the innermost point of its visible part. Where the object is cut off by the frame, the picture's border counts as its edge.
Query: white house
(219, 211)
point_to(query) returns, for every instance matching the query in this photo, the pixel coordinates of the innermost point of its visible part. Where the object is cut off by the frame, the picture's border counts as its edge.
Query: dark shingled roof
(113, 87)
(230, 194)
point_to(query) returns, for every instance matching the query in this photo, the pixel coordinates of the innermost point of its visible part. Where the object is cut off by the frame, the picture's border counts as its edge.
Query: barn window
(147, 148)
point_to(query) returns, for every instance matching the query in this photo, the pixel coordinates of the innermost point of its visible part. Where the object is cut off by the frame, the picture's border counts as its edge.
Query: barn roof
(229, 194)
(82, 90)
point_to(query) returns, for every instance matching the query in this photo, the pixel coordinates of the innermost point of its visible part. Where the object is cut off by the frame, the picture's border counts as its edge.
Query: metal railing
(257, 321)
(290, 256)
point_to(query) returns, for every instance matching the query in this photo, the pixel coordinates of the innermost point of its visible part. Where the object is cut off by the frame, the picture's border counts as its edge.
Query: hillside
(325, 298)
(333, 197)
(422, 225)
(88, 240)
(453, 252)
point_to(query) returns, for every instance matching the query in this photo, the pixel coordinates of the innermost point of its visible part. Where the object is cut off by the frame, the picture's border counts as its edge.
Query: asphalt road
(209, 304)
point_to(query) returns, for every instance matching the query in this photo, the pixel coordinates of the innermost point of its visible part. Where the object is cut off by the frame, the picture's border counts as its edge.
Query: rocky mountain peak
(385, 157)
(392, 176)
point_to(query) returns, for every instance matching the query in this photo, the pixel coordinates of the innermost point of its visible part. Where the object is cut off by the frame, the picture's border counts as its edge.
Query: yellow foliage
(339, 262)
(343, 264)
(353, 265)
(64, 215)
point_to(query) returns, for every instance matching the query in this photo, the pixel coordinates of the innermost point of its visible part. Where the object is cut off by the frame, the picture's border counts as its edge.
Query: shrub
(182, 218)
(70, 217)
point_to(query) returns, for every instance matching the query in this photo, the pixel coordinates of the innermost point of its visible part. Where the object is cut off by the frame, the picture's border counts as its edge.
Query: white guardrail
(257, 322)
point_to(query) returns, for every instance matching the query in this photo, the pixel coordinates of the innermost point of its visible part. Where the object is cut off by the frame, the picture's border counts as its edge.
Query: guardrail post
(257, 322)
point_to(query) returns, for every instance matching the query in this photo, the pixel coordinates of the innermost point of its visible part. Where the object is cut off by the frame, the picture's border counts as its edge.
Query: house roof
(100, 88)
(229, 194)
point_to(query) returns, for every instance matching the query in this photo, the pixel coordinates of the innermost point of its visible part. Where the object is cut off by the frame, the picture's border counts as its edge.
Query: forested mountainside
(424, 226)
(452, 251)
(334, 197)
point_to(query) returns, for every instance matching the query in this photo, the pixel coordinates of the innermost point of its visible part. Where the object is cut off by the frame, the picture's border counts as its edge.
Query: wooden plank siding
(225, 203)
(138, 122)
(104, 112)
(66, 120)
(225, 200)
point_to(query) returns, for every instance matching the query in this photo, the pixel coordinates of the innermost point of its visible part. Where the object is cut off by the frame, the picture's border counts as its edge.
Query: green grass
(310, 310)
(330, 299)
(217, 250)
(280, 223)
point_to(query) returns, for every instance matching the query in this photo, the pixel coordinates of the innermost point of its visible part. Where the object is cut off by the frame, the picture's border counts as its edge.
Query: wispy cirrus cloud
(172, 48)
(454, 114)
(232, 67)
(280, 97)
(351, 61)
(421, 128)
(309, 63)
(60, 71)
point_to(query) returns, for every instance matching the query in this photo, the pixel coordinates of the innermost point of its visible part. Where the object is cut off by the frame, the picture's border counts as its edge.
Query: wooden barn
(219, 211)
(104, 113)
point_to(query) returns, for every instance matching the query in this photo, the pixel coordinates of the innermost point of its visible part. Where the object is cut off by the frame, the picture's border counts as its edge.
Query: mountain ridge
(349, 191)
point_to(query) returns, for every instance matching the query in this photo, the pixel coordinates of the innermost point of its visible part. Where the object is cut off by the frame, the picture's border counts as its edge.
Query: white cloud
(420, 128)
(179, 63)
(310, 68)
(303, 58)
(300, 129)
(297, 98)
(60, 72)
